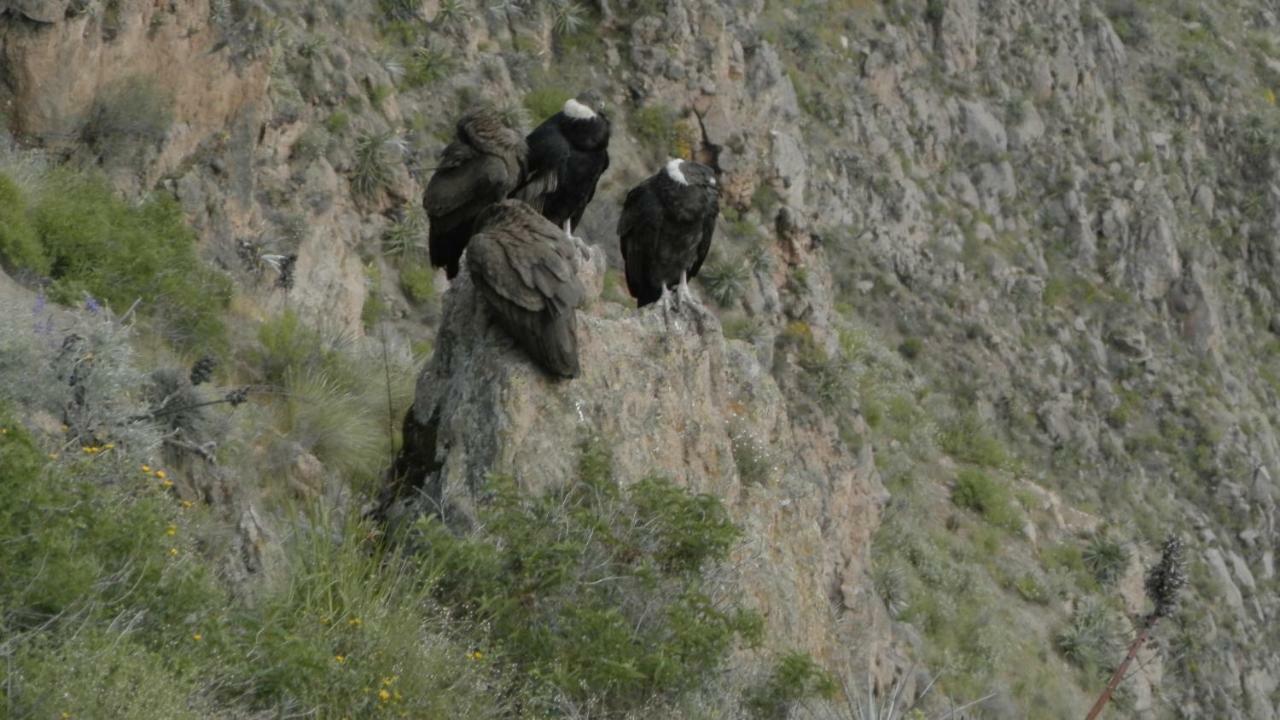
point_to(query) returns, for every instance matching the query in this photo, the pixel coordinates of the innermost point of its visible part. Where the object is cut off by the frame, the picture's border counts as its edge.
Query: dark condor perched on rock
(568, 153)
(480, 167)
(526, 270)
(665, 229)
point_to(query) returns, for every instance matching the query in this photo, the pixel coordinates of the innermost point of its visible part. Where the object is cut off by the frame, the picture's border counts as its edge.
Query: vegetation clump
(596, 592)
(92, 244)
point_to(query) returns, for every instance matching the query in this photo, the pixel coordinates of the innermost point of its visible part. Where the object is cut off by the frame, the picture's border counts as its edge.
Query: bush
(79, 371)
(543, 102)
(979, 492)
(655, 127)
(595, 593)
(20, 247)
(417, 279)
(968, 439)
(796, 678)
(120, 254)
(353, 631)
(910, 348)
(131, 113)
(287, 348)
(87, 563)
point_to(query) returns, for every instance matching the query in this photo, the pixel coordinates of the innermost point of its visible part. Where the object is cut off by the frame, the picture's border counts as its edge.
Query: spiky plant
(426, 66)
(404, 238)
(372, 171)
(453, 14)
(567, 17)
(1106, 559)
(725, 280)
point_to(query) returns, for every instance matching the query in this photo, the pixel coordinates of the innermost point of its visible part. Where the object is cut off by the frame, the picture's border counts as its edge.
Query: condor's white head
(673, 171)
(578, 111)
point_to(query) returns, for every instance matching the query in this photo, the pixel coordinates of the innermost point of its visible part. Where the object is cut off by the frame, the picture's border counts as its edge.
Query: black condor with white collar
(568, 153)
(665, 229)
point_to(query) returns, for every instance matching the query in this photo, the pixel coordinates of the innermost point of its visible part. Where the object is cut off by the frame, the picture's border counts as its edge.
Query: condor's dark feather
(666, 227)
(524, 268)
(567, 156)
(480, 167)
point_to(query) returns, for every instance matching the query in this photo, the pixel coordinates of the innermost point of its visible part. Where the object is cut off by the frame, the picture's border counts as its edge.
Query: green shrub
(120, 254)
(753, 458)
(1031, 589)
(655, 127)
(968, 439)
(910, 348)
(543, 102)
(353, 631)
(130, 113)
(401, 9)
(594, 592)
(417, 279)
(795, 679)
(87, 561)
(337, 122)
(990, 498)
(287, 347)
(20, 247)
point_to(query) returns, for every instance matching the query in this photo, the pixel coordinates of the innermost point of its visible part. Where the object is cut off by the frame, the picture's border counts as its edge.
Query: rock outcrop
(669, 396)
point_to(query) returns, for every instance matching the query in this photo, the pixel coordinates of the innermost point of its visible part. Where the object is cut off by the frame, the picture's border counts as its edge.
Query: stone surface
(668, 395)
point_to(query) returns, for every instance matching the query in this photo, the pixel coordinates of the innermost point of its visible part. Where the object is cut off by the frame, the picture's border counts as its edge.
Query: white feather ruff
(577, 110)
(673, 171)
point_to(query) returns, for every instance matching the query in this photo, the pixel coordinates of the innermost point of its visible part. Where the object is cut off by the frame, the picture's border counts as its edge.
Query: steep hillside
(1012, 262)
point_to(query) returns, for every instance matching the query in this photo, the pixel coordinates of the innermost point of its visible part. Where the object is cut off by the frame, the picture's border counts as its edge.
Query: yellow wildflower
(186, 504)
(354, 622)
(146, 469)
(173, 552)
(387, 681)
(161, 474)
(383, 695)
(340, 659)
(166, 484)
(197, 637)
(171, 530)
(476, 655)
(109, 446)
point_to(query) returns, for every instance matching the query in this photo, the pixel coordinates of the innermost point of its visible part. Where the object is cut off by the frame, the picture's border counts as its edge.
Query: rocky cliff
(669, 397)
(1034, 241)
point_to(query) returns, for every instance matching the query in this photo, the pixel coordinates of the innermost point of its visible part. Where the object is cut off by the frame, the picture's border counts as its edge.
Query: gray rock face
(669, 396)
(43, 11)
